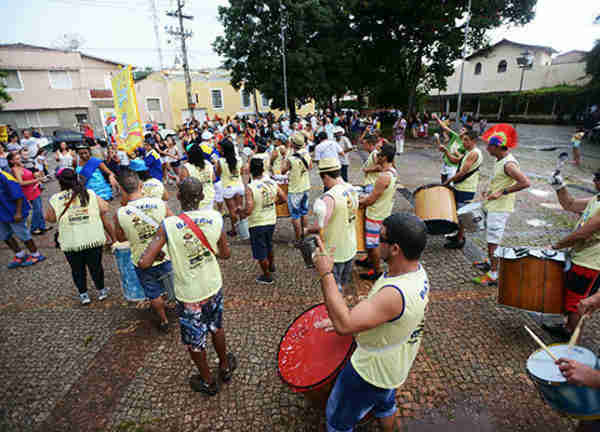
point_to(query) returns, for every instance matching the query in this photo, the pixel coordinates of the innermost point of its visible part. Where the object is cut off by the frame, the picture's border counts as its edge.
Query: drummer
(507, 179)
(465, 182)
(336, 219)
(577, 373)
(387, 326)
(583, 278)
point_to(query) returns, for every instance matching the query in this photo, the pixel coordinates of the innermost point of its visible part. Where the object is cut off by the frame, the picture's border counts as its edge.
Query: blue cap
(138, 165)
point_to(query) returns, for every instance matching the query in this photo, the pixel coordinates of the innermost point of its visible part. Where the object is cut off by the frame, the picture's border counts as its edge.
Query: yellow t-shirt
(80, 227)
(385, 354)
(197, 275)
(139, 233)
(470, 184)
(371, 178)
(299, 176)
(382, 208)
(264, 195)
(339, 235)
(205, 177)
(228, 178)
(153, 188)
(500, 180)
(586, 253)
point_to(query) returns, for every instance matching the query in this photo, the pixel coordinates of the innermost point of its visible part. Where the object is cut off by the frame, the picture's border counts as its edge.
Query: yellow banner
(129, 125)
(3, 133)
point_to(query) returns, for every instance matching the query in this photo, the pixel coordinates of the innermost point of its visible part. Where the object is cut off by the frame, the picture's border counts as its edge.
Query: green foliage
(592, 65)
(4, 96)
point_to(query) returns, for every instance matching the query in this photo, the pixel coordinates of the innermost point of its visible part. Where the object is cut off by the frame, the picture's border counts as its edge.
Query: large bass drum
(436, 206)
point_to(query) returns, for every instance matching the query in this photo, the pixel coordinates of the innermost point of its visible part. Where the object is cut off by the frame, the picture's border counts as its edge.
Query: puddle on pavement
(537, 223)
(538, 192)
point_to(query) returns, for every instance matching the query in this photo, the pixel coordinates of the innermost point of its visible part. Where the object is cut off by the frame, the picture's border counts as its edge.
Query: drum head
(541, 366)
(308, 356)
(468, 208)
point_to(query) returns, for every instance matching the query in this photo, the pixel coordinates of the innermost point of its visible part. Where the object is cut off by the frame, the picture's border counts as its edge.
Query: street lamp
(462, 67)
(524, 62)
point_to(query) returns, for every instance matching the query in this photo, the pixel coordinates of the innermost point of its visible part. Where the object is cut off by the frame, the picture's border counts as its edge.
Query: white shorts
(496, 222)
(231, 191)
(218, 191)
(448, 170)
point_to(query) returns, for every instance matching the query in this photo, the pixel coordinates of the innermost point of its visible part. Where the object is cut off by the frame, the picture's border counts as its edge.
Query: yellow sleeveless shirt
(153, 188)
(299, 176)
(264, 194)
(339, 235)
(470, 184)
(371, 178)
(500, 180)
(382, 208)
(206, 178)
(586, 253)
(227, 177)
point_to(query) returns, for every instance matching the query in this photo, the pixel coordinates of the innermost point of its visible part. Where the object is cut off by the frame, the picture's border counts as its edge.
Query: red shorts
(581, 282)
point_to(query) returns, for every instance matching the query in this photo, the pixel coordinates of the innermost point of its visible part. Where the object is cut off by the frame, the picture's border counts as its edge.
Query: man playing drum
(195, 239)
(379, 205)
(465, 182)
(455, 149)
(507, 179)
(336, 217)
(387, 326)
(583, 277)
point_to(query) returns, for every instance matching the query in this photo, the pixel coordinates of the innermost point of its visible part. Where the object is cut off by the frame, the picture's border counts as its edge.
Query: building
(494, 70)
(53, 89)
(154, 104)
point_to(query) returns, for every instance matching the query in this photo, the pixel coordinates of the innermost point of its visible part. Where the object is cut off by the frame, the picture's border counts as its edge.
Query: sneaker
(370, 276)
(19, 262)
(364, 263)
(84, 298)
(262, 279)
(484, 266)
(455, 244)
(199, 385)
(103, 294)
(36, 259)
(558, 332)
(485, 280)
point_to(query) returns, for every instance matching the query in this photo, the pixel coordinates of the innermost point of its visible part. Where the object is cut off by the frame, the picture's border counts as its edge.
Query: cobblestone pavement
(106, 368)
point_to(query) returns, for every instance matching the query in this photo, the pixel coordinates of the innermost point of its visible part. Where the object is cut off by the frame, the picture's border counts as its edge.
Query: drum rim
(430, 185)
(547, 382)
(328, 377)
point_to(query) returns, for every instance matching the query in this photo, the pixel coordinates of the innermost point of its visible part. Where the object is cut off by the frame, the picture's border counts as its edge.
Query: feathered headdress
(501, 135)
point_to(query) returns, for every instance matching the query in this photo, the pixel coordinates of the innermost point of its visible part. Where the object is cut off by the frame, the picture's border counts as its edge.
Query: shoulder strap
(143, 216)
(196, 230)
(298, 155)
(469, 174)
(74, 195)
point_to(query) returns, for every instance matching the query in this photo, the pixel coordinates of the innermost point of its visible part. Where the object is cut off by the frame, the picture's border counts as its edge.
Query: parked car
(71, 137)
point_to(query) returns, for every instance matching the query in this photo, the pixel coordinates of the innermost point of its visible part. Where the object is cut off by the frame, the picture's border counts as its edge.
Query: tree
(592, 63)
(4, 96)
(316, 33)
(69, 42)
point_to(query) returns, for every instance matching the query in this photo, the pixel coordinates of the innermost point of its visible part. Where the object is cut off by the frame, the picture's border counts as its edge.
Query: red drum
(309, 359)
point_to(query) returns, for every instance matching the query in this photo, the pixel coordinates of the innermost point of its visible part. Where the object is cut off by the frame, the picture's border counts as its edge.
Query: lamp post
(462, 67)
(524, 62)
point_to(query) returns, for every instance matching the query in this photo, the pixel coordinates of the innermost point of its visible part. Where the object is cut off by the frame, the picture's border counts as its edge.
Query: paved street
(106, 367)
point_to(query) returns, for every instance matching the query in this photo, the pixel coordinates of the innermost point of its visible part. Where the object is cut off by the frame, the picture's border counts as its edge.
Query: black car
(72, 138)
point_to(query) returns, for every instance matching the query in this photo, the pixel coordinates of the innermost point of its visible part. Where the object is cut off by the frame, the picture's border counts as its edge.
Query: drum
(309, 359)
(575, 401)
(472, 217)
(132, 289)
(436, 206)
(282, 209)
(531, 279)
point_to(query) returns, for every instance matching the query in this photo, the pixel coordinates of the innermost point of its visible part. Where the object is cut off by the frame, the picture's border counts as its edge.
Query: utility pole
(183, 34)
(156, 32)
(462, 68)
(282, 8)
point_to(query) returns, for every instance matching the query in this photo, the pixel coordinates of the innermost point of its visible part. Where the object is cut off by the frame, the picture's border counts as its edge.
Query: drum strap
(469, 174)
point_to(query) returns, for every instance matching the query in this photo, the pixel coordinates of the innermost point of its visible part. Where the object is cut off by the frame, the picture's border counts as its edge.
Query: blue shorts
(352, 398)
(261, 240)
(19, 229)
(298, 204)
(463, 198)
(197, 319)
(153, 279)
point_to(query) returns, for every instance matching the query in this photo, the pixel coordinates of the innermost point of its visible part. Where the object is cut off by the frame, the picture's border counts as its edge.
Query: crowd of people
(250, 166)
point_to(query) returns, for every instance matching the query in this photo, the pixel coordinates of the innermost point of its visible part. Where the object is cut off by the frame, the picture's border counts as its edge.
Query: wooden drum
(282, 209)
(436, 206)
(309, 359)
(531, 279)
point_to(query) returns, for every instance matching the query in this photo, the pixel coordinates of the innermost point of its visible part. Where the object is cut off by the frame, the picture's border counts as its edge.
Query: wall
(154, 86)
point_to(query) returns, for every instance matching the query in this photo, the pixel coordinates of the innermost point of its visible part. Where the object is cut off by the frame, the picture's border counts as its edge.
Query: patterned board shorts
(197, 319)
(372, 230)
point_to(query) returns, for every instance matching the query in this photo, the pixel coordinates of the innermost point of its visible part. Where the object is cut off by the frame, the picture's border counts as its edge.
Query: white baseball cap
(206, 135)
(338, 130)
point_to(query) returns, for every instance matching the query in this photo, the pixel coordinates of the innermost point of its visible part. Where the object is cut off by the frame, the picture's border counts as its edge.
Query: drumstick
(576, 332)
(541, 344)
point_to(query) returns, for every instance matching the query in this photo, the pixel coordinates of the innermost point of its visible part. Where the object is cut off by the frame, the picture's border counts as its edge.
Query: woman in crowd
(91, 169)
(65, 157)
(198, 167)
(82, 218)
(30, 185)
(229, 168)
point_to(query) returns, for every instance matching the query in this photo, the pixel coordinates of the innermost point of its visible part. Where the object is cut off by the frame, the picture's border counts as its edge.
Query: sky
(123, 31)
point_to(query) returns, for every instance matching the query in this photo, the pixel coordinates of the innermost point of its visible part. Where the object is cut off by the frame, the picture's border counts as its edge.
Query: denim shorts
(463, 198)
(152, 279)
(261, 240)
(342, 272)
(197, 319)
(19, 229)
(352, 398)
(298, 204)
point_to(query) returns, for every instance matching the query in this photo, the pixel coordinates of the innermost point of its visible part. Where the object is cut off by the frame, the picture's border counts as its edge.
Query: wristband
(323, 276)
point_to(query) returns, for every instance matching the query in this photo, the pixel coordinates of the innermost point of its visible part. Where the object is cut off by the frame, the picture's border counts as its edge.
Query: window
(216, 96)
(502, 66)
(246, 99)
(478, 69)
(264, 101)
(48, 118)
(80, 118)
(12, 80)
(45, 118)
(60, 80)
(153, 104)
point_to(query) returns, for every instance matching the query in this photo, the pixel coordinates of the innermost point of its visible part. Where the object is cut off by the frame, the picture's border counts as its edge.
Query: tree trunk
(292, 107)
(256, 104)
